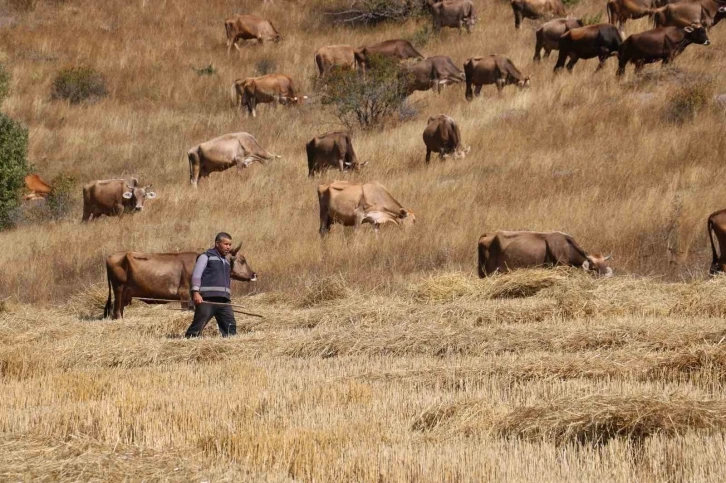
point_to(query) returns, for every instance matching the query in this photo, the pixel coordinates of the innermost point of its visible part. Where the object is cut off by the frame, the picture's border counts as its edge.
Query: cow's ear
(586, 265)
(689, 29)
(235, 250)
(128, 195)
(151, 195)
(722, 9)
(403, 213)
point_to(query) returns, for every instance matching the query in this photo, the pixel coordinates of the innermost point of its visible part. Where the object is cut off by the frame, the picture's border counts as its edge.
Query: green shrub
(4, 83)
(78, 84)
(60, 200)
(208, 70)
(265, 66)
(591, 19)
(686, 101)
(13, 166)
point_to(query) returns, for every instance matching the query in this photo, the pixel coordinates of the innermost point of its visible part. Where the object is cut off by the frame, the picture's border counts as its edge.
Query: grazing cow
(620, 11)
(352, 204)
(705, 12)
(341, 56)
(271, 88)
(716, 225)
(535, 9)
(548, 35)
(395, 49)
(492, 69)
(234, 149)
(662, 43)
(160, 276)
(602, 41)
(248, 27)
(453, 14)
(333, 149)
(437, 71)
(442, 135)
(503, 251)
(39, 189)
(113, 197)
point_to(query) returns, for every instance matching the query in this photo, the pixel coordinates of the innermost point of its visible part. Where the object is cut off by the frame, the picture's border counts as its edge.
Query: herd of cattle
(167, 276)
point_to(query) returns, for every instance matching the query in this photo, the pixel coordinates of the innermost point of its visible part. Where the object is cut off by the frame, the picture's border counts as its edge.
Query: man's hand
(197, 299)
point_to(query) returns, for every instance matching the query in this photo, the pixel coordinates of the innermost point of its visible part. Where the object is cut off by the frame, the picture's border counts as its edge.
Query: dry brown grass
(378, 359)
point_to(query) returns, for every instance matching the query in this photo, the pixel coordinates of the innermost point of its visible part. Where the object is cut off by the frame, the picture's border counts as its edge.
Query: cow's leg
(602, 58)
(622, 64)
(517, 19)
(639, 66)
(118, 299)
(547, 53)
(500, 85)
(571, 63)
(87, 212)
(561, 59)
(477, 90)
(428, 155)
(341, 164)
(442, 154)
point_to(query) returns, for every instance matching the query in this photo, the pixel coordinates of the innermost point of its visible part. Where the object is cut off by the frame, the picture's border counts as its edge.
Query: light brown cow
(492, 69)
(706, 13)
(271, 88)
(352, 204)
(453, 14)
(333, 149)
(716, 226)
(341, 56)
(160, 276)
(536, 9)
(39, 189)
(503, 251)
(233, 149)
(113, 197)
(432, 72)
(620, 11)
(395, 49)
(548, 35)
(442, 135)
(249, 27)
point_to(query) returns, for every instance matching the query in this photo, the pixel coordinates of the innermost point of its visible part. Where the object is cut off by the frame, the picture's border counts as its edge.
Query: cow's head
(459, 153)
(240, 269)
(135, 196)
(697, 34)
(524, 83)
(720, 14)
(597, 264)
(406, 217)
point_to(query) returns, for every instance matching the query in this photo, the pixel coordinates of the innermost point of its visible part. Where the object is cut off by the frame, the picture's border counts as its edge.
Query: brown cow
(437, 71)
(233, 149)
(503, 251)
(662, 43)
(165, 276)
(341, 56)
(453, 14)
(601, 40)
(248, 27)
(442, 135)
(716, 225)
(271, 88)
(333, 149)
(113, 197)
(352, 204)
(535, 9)
(705, 12)
(620, 11)
(492, 69)
(548, 35)
(395, 49)
(39, 189)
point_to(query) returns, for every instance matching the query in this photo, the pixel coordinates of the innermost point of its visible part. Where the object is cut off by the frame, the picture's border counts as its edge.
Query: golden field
(378, 359)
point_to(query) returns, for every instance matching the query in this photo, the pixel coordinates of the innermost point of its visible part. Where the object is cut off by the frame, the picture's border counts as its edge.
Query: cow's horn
(235, 250)
(609, 257)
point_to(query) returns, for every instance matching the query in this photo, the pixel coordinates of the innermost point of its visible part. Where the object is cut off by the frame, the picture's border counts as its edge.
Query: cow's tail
(709, 228)
(482, 252)
(469, 76)
(107, 308)
(319, 63)
(193, 156)
(310, 149)
(611, 12)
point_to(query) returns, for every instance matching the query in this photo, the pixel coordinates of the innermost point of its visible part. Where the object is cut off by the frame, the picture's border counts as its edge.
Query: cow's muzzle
(138, 208)
(253, 278)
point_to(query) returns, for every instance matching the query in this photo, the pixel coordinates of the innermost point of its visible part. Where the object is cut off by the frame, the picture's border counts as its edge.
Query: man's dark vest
(215, 278)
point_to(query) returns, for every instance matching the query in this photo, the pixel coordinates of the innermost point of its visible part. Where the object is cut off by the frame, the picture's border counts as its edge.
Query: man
(211, 283)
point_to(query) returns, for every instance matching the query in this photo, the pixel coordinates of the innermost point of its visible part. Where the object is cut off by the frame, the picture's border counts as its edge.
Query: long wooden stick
(204, 302)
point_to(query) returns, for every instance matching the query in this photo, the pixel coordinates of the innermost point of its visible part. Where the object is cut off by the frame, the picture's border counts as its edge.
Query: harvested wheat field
(378, 358)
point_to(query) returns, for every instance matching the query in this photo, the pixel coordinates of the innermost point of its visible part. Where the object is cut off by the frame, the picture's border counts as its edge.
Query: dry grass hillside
(379, 359)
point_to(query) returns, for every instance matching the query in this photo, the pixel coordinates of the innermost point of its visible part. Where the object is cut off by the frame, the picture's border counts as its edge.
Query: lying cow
(432, 72)
(39, 189)
(601, 40)
(716, 225)
(660, 44)
(395, 49)
(341, 56)
(536, 9)
(234, 149)
(165, 276)
(620, 11)
(442, 135)
(331, 150)
(249, 27)
(706, 13)
(352, 204)
(271, 88)
(453, 14)
(113, 197)
(548, 35)
(492, 69)
(503, 251)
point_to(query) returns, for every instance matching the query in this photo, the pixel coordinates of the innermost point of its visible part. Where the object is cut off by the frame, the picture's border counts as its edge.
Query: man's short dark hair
(222, 236)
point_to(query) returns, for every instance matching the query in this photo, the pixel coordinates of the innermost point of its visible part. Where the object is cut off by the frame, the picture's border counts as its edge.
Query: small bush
(570, 3)
(78, 84)
(422, 36)
(591, 19)
(265, 66)
(13, 166)
(60, 200)
(4, 83)
(372, 12)
(686, 101)
(208, 70)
